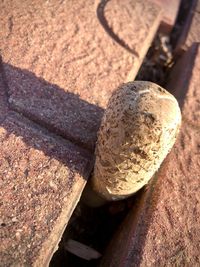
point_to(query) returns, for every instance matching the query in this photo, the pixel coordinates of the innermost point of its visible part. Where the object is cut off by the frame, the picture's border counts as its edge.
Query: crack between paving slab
(2, 120)
(103, 21)
(45, 126)
(10, 26)
(147, 206)
(37, 124)
(5, 84)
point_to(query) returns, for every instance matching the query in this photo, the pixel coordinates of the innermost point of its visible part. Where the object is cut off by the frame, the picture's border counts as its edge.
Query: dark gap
(185, 8)
(161, 56)
(93, 227)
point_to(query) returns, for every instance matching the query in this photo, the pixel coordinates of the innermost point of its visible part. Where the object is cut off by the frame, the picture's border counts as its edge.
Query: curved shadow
(102, 19)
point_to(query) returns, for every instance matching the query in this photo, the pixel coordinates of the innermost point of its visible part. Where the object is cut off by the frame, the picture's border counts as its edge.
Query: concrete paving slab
(42, 178)
(170, 12)
(60, 56)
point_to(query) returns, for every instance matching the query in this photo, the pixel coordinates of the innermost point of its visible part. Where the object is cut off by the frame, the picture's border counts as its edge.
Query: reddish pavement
(42, 178)
(62, 60)
(60, 63)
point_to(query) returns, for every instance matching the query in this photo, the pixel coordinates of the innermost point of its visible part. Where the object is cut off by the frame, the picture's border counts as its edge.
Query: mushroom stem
(92, 198)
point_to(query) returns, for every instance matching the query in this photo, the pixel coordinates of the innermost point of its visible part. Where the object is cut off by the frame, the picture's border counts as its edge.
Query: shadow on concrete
(42, 114)
(58, 110)
(25, 171)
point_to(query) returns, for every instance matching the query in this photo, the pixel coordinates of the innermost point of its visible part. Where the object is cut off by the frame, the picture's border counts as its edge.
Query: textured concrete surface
(41, 181)
(170, 11)
(191, 29)
(63, 59)
(164, 229)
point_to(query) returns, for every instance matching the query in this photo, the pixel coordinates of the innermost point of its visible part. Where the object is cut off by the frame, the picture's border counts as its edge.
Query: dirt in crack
(93, 227)
(162, 56)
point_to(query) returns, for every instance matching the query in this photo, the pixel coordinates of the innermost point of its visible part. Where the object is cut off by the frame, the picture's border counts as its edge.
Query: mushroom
(138, 129)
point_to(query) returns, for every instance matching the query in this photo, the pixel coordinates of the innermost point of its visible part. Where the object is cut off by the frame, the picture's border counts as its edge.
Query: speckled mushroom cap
(138, 130)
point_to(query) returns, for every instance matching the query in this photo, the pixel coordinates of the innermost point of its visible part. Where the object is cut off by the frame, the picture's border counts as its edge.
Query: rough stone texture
(164, 230)
(170, 11)
(191, 29)
(138, 129)
(61, 55)
(41, 181)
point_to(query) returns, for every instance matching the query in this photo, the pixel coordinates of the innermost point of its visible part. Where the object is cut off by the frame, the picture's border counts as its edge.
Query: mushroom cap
(138, 129)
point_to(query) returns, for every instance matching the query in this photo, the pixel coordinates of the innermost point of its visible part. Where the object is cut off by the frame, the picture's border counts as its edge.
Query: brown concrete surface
(170, 10)
(41, 182)
(191, 29)
(163, 230)
(62, 59)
